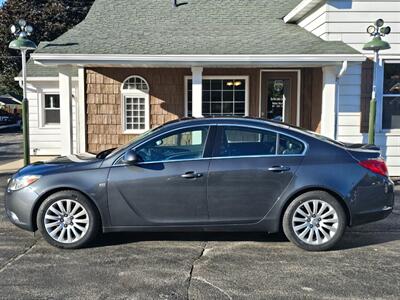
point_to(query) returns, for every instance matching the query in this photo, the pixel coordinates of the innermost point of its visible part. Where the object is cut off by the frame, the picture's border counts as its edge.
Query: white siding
(346, 20)
(44, 140)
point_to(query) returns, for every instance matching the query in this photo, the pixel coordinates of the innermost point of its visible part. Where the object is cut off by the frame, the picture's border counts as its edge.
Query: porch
(122, 102)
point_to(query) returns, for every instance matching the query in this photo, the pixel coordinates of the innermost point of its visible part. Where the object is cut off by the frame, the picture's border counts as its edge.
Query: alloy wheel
(315, 222)
(66, 221)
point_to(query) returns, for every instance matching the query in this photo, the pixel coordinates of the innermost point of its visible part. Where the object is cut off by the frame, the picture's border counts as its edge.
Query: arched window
(135, 106)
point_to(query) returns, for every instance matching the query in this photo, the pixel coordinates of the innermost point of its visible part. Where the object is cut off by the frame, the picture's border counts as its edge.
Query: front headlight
(22, 182)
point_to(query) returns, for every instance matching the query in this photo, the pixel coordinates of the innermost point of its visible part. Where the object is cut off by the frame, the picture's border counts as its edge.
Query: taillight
(377, 166)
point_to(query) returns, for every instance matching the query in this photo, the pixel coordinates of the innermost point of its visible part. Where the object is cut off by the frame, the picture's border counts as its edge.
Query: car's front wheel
(67, 219)
(314, 221)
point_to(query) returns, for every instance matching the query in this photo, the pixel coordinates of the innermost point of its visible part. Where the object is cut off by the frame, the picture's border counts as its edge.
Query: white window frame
(135, 93)
(380, 97)
(41, 108)
(221, 77)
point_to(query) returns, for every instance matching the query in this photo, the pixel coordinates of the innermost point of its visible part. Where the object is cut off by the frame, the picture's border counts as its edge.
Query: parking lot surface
(366, 264)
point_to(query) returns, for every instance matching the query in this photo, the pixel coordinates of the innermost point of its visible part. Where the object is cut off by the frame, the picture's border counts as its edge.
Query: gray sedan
(216, 174)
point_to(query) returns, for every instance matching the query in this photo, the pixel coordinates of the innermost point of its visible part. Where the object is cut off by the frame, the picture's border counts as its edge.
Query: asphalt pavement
(365, 265)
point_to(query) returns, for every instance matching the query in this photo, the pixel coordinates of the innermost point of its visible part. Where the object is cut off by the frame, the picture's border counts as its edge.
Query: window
(181, 145)
(391, 96)
(289, 146)
(237, 141)
(135, 94)
(221, 97)
(51, 109)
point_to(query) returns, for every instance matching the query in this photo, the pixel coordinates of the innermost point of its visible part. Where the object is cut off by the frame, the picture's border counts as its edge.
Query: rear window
(289, 146)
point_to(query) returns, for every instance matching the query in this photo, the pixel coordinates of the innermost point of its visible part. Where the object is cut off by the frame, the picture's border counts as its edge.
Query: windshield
(134, 140)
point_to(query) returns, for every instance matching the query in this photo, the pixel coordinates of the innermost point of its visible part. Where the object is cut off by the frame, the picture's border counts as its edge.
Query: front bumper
(19, 207)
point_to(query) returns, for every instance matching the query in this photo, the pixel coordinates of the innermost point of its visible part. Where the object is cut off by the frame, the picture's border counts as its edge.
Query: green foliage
(50, 19)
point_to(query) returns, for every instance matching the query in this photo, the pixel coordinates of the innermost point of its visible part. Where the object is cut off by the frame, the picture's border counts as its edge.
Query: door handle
(279, 169)
(191, 175)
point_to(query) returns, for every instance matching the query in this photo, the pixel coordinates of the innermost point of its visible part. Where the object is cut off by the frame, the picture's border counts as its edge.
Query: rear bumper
(373, 202)
(373, 216)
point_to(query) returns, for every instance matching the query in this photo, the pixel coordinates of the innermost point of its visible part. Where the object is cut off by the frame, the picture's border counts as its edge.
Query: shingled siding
(103, 97)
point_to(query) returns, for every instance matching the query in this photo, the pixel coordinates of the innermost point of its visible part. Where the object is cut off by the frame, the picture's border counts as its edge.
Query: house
(133, 65)
(11, 103)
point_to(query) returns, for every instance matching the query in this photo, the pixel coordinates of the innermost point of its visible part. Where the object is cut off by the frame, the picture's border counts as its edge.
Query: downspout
(342, 71)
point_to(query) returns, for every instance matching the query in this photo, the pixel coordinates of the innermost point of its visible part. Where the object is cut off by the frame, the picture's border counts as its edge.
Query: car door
(167, 186)
(250, 169)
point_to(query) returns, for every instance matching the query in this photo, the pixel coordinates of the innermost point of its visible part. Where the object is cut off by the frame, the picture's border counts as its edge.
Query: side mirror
(130, 157)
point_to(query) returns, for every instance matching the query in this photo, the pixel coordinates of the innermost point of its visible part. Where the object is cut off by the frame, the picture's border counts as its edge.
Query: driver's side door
(168, 184)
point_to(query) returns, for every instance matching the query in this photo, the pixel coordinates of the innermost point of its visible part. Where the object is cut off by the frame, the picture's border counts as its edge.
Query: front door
(169, 184)
(279, 95)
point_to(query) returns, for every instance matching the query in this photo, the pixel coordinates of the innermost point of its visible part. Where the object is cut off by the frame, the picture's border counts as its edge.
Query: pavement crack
(204, 246)
(18, 256)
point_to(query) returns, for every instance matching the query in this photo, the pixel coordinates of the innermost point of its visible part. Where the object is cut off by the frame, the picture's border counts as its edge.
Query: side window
(51, 109)
(180, 145)
(289, 146)
(240, 141)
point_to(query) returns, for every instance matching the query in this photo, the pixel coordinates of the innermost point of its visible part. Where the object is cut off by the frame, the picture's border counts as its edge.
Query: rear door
(250, 169)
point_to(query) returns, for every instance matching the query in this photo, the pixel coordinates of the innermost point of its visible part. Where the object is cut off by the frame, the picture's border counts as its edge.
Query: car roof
(250, 121)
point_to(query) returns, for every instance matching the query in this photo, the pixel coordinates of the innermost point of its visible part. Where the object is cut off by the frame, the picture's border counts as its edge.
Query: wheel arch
(48, 193)
(334, 194)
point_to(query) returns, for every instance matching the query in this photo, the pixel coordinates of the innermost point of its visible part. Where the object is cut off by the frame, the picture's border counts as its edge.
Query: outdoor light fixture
(377, 31)
(22, 30)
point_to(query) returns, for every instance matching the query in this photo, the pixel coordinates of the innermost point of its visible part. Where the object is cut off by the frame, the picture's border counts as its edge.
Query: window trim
(246, 78)
(41, 108)
(135, 93)
(278, 134)
(382, 97)
(212, 135)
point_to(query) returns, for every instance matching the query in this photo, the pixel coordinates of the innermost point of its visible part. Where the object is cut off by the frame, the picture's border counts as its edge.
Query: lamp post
(22, 30)
(377, 31)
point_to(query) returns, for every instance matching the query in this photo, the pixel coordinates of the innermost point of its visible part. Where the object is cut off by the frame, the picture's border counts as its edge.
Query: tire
(72, 225)
(302, 225)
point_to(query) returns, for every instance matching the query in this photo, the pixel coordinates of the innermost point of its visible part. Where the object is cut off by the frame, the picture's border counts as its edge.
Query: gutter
(302, 9)
(192, 60)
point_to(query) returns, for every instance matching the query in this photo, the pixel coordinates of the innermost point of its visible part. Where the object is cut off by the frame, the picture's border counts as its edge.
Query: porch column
(197, 92)
(328, 101)
(65, 86)
(81, 112)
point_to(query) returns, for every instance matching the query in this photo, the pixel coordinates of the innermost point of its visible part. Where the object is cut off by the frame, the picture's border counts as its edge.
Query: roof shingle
(154, 27)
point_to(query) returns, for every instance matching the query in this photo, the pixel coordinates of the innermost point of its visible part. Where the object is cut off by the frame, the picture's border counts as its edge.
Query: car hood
(61, 164)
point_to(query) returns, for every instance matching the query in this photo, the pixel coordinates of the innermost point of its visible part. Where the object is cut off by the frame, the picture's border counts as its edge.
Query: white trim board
(190, 60)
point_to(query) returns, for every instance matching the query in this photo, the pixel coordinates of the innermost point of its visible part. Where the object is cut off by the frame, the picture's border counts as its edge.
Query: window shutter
(366, 93)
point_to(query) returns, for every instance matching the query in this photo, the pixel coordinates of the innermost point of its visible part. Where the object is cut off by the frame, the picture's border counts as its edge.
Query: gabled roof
(202, 27)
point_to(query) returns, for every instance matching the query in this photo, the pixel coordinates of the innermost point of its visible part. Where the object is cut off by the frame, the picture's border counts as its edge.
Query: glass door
(279, 96)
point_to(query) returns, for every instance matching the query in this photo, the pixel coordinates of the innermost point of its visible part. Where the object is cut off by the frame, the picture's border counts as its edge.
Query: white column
(328, 101)
(81, 112)
(197, 92)
(65, 87)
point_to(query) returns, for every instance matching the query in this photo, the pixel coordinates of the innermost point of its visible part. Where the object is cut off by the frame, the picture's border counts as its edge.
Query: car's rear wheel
(314, 221)
(67, 219)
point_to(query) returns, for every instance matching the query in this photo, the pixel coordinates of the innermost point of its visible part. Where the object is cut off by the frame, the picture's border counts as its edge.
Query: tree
(50, 18)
